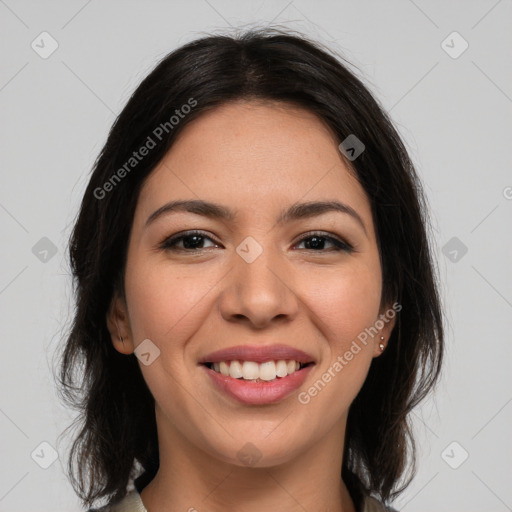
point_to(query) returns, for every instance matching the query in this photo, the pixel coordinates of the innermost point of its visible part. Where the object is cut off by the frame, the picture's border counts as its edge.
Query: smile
(257, 372)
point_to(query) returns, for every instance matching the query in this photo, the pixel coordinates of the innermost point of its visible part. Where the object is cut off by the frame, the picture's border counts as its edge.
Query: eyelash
(170, 242)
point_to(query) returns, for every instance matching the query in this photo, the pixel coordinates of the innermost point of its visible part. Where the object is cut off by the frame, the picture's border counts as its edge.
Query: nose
(259, 293)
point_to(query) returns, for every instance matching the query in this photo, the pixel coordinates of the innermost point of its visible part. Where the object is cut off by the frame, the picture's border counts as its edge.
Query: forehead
(253, 154)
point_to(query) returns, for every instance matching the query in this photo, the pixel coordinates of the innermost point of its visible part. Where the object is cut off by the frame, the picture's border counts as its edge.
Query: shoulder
(130, 503)
(371, 504)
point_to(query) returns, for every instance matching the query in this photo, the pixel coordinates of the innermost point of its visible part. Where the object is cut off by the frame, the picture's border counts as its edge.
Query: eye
(316, 242)
(194, 241)
(190, 241)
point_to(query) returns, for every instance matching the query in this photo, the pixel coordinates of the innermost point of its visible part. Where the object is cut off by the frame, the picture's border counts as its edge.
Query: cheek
(345, 301)
(164, 302)
(344, 305)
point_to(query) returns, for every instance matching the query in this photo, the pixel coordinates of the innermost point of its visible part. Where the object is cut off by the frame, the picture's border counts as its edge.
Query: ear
(385, 324)
(119, 326)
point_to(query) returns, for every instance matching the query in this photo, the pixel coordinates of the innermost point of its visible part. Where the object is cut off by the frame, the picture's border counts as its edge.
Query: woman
(256, 305)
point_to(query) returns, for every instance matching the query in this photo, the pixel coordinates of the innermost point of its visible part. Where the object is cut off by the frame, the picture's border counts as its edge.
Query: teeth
(235, 370)
(224, 368)
(268, 370)
(250, 370)
(281, 369)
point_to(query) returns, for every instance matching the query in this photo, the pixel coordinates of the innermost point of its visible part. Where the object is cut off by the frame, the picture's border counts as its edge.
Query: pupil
(192, 245)
(315, 242)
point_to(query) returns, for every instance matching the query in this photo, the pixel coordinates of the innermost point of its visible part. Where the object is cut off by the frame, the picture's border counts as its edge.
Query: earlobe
(119, 326)
(379, 345)
(385, 324)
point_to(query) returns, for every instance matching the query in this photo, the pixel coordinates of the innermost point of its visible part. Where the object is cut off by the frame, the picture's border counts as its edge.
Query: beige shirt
(133, 503)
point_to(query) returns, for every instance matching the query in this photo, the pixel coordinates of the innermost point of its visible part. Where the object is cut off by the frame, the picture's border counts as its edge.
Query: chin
(258, 450)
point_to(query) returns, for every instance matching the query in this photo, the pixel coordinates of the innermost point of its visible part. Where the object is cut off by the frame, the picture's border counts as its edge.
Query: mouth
(252, 371)
(257, 375)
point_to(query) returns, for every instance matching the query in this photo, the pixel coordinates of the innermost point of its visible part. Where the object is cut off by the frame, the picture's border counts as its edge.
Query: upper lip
(258, 354)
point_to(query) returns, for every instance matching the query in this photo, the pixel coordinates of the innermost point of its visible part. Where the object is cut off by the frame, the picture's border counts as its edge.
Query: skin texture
(257, 159)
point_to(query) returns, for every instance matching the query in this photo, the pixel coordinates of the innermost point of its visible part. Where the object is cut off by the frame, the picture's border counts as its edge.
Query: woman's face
(269, 271)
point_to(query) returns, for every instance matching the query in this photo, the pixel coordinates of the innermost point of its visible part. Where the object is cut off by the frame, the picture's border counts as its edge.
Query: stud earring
(381, 345)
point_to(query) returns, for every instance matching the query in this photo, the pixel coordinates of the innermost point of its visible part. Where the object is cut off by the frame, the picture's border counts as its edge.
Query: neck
(191, 479)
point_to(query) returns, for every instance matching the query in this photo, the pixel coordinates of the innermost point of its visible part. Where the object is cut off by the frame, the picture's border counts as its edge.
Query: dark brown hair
(116, 409)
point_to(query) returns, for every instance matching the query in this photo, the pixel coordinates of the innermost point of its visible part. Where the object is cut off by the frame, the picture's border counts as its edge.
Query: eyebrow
(197, 206)
(215, 211)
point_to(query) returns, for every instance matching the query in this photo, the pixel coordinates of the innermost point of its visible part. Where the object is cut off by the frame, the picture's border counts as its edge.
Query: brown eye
(190, 241)
(317, 242)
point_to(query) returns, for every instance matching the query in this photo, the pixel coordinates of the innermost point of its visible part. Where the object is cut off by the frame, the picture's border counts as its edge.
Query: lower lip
(257, 393)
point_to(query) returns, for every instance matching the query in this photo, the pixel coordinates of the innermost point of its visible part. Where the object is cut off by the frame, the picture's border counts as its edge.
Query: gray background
(454, 113)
